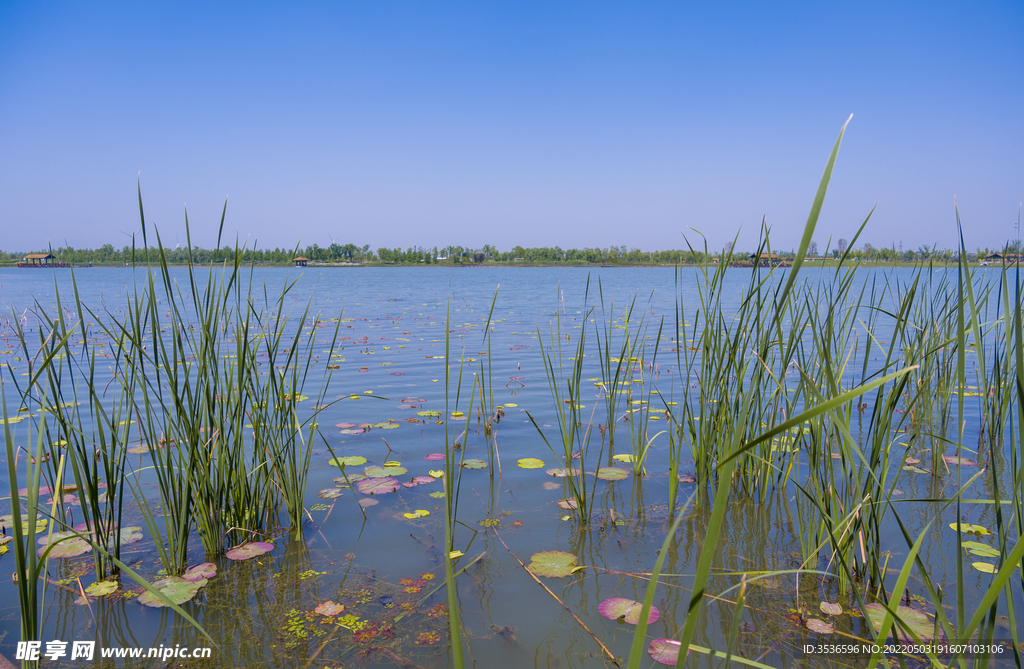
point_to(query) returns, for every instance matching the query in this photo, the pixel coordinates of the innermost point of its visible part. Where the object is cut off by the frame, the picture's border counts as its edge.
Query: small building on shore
(300, 261)
(41, 260)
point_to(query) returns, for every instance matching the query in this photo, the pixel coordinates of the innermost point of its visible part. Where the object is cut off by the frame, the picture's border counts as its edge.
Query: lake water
(391, 347)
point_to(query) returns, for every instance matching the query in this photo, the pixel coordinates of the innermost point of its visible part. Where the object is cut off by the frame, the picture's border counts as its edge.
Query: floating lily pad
(531, 463)
(820, 626)
(422, 480)
(967, 528)
(436, 473)
(249, 551)
(437, 495)
(329, 608)
(138, 450)
(378, 486)
(345, 426)
(339, 481)
(386, 426)
(8, 522)
(330, 493)
(665, 651)
(200, 572)
(919, 623)
(176, 589)
(830, 609)
(419, 513)
(915, 470)
(354, 430)
(980, 549)
(63, 545)
(383, 472)
(553, 564)
(101, 588)
(435, 457)
(348, 460)
(474, 463)
(567, 503)
(627, 609)
(612, 473)
(562, 472)
(984, 567)
(954, 460)
(429, 414)
(623, 457)
(411, 400)
(368, 502)
(125, 536)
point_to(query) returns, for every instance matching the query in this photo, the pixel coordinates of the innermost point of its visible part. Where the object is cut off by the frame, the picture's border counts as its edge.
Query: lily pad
(345, 426)
(354, 430)
(623, 457)
(611, 473)
(348, 460)
(627, 609)
(340, 482)
(422, 480)
(437, 494)
(249, 551)
(980, 549)
(412, 400)
(330, 493)
(665, 651)
(553, 564)
(8, 522)
(378, 486)
(429, 414)
(562, 472)
(820, 626)
(368, 502)
(436, 473)
(531, 463)
(474, 463)
(830, 609)
(985, 567)
(125, 536)
(63, 545)
(954, 460)
(967, 528)
(101, 588)
(419, 513)
(200, 572)
(329, 608)
(435, 457)
(567, 503)
(138, 450)
(386, 426)
(917, 622)
(176, 589)
(384, 472)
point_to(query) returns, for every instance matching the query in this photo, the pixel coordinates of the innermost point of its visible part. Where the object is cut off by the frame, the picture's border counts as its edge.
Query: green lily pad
(967, 528)
(429, 414)
(386, 426)
(384, 472)
(474, 463)
(437, 495)
(531, 463)
(8, 522)
(175, 588)
(101, 588)
(352, 460)
(980, 549)
(984, 567)
(63, 545)
(830, 609)
(912, 621)
(612, 473)
(553, 564)
(125, 536)
(339, 481)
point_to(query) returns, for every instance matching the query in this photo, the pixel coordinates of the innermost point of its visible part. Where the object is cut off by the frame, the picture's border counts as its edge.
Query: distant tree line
(612, 255)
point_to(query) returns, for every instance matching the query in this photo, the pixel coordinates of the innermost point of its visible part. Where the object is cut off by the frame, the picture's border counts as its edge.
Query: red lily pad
(954, 460)
(345, 426)
(435, 457)
(249, 551)
(384, 472)
(820, 626)
(423, 480)
(329, 608)
(665, 651)
(199, 572)
(378, 486)
(627, 609)
(830, 609)
(568, 504)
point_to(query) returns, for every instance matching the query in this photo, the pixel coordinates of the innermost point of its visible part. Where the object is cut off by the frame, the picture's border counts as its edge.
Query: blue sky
(539, 124)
